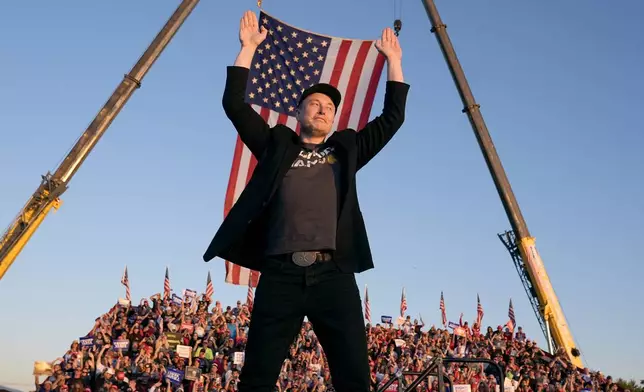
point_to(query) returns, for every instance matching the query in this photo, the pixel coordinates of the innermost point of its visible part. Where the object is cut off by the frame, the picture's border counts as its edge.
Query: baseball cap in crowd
(323, 88)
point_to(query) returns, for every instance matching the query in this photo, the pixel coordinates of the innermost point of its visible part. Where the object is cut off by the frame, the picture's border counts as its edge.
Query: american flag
(512, 322)
(367, 308)
(166, 284)
(249, 296)
(403, 303)
(286, 63)
(209, 289)
(479, 311)
(443, 312)
(125, 281)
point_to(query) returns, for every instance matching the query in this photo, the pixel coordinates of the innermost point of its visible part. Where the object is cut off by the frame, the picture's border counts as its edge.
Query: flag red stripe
(234, 172)
(236, 271)
(352, 87)
(339, 62)
(371, 91)
(282, 119)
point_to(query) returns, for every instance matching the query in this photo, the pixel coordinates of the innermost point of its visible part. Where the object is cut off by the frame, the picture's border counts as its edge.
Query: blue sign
(175, 376)
(121, 345)
(86, 341)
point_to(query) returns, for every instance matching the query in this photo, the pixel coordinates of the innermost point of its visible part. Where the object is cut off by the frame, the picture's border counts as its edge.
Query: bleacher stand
(170, 345)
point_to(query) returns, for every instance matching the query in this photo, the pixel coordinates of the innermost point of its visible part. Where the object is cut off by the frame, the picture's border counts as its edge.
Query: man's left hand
(389, 46)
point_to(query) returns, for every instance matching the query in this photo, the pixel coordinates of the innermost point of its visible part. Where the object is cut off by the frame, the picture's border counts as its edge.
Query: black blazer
(240, 238)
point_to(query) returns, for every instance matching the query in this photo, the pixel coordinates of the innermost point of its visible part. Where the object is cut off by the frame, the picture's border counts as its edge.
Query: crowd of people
(194, 345)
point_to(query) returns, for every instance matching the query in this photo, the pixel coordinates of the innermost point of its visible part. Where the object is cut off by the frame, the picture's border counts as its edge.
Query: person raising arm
(250, 126)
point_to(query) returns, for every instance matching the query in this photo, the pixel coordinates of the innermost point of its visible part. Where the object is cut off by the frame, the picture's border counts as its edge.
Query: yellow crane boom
(519, 241)
(47, 196)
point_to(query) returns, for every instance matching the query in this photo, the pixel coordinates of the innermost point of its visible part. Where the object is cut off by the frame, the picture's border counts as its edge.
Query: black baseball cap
(323, 88)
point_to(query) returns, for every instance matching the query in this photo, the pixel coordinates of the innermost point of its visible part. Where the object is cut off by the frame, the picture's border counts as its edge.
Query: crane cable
(397, 16)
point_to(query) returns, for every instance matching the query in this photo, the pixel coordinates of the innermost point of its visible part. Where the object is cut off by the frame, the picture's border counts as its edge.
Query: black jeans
(330, 299)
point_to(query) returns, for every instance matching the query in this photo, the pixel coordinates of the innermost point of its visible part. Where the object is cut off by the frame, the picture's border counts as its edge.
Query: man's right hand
(249, 34)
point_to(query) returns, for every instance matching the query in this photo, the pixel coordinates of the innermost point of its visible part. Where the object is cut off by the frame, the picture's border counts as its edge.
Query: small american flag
(512, 322)
(209, 289)
(403, 303)
(286, 63)
(166, 284)
(367, 308)
(443, 312)
(125, 281)
(249, 296)
(479, 311)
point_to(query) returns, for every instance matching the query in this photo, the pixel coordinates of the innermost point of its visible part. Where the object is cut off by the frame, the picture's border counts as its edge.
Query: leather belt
(305, 259)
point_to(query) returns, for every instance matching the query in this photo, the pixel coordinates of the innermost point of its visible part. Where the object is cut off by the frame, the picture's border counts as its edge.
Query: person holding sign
(298, 220)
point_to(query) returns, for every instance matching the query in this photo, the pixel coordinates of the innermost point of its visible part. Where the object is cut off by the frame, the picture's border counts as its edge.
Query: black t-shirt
(303, 213)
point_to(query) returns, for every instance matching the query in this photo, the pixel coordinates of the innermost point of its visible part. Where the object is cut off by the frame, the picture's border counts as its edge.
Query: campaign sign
(86, 341)
(173, 339)
(386, 319)
(239, 357)
(175, 376)
(122, 345)
(192, 373)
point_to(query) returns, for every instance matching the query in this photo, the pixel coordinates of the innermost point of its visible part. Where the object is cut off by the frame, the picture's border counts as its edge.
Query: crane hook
(397, 26)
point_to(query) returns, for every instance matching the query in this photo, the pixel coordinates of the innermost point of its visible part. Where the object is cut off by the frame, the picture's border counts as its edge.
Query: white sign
(462, 388)
(188, 293)
(42, 368)
(184, 351)
(238, 358)
(124, 302)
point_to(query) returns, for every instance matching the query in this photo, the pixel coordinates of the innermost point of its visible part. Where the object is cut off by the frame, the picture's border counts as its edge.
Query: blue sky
(559, 86)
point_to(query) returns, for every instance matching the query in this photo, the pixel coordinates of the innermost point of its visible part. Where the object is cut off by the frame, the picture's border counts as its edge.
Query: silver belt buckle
(304, 259)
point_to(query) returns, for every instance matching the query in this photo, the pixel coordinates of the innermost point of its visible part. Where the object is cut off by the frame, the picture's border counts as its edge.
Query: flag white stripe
(272, 118)
(331, 58)
(242, 173)
(244, 276)
(291, 122)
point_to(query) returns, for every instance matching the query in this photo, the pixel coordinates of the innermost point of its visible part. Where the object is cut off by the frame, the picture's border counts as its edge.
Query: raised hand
(389, 46)
(249, 34)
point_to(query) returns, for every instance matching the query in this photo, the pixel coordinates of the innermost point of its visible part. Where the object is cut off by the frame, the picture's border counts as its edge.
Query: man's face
(316, 114)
